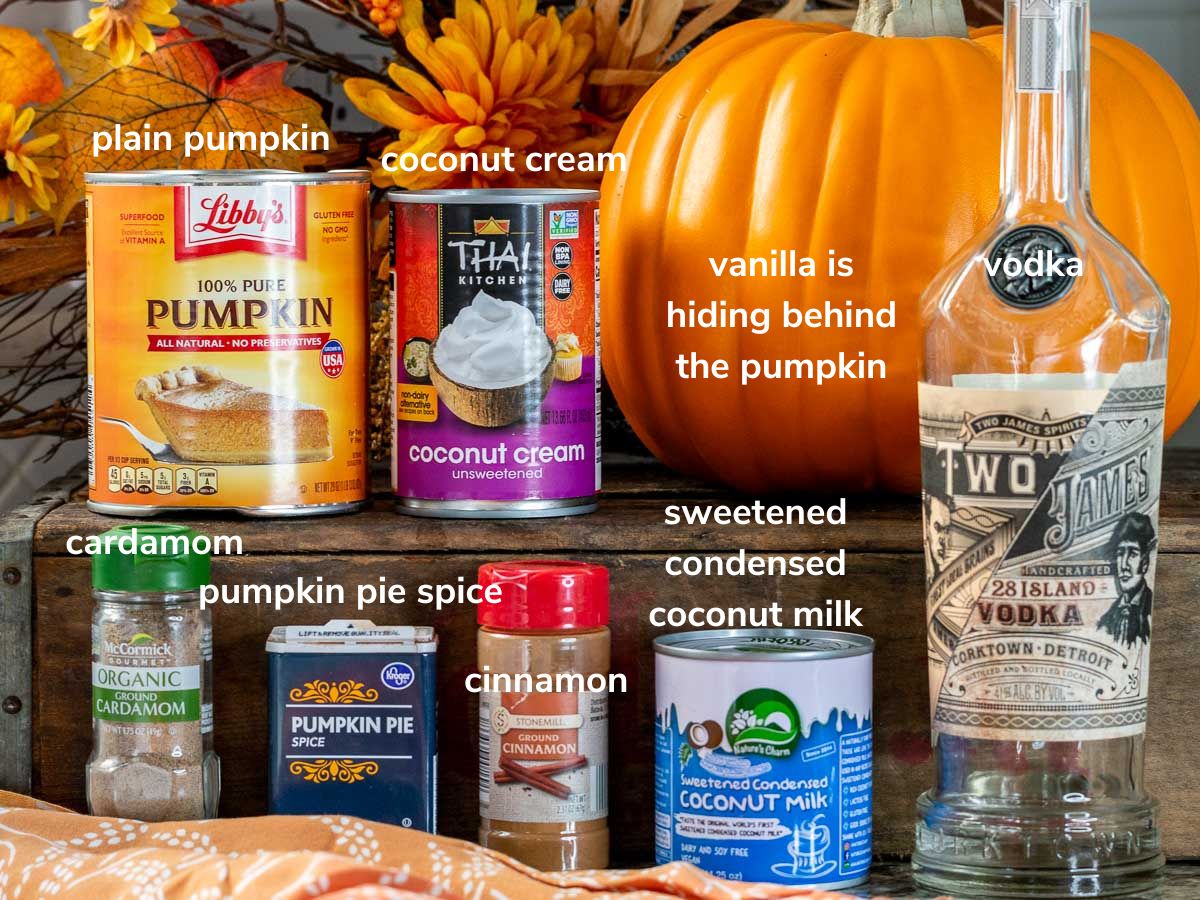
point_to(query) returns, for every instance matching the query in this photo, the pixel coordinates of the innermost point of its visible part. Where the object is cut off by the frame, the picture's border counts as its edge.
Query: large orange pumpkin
(775, 135)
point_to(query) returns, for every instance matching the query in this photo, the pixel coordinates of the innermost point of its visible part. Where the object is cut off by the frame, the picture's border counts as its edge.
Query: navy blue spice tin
(354, 722)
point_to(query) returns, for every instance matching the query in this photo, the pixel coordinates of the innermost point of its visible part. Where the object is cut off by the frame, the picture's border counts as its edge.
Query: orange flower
(502, 75)
(121, 25)
(23, 174)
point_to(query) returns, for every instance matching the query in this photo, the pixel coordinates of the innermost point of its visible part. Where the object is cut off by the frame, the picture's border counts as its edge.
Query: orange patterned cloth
(47, 851)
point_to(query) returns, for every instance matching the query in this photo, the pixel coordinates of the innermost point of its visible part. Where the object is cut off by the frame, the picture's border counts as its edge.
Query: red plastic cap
(545, 595)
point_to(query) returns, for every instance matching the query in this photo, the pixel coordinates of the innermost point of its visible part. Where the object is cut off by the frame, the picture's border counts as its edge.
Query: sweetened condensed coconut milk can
(762, 746)
(227, 342)
(496, 352)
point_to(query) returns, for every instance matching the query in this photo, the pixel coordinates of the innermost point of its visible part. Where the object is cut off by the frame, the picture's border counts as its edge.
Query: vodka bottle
(1041, 436)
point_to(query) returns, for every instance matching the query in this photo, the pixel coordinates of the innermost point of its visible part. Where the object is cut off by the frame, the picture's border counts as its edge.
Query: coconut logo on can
(763, 755)
(497, 364)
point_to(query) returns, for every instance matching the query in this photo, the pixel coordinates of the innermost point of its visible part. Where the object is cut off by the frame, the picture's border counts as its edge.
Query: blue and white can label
(763, 755)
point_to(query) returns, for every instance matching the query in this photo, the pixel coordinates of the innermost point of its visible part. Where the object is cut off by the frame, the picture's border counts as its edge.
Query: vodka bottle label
(1041, 517)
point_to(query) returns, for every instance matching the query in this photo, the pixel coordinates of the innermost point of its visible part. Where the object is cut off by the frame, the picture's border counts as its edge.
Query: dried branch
(295, 43)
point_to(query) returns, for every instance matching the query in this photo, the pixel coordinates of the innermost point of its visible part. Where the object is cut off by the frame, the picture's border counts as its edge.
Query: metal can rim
(424, 639)
(494, 195)
(673, 645)
(229, 177)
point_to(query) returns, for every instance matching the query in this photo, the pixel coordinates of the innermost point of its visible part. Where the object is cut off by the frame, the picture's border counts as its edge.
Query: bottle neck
(1046, 108)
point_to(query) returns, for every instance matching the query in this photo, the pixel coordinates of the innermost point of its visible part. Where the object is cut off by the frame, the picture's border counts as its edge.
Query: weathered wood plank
(888, 585)
(16, 630)
(630, 520)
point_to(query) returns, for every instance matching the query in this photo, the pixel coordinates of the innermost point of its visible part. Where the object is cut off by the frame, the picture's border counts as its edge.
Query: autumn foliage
(177, 89)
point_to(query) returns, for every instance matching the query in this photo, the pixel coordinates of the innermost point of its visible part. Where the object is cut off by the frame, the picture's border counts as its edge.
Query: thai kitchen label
(543, 756)
(763, 770)
(227, 344)
(497, 368)
(1041, 538)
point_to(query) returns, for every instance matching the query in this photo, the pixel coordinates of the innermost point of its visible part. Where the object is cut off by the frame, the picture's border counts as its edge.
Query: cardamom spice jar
(152, 725)
(544, 657)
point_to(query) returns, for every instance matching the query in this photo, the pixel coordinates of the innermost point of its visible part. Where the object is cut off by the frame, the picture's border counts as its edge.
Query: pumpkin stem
(911, 18)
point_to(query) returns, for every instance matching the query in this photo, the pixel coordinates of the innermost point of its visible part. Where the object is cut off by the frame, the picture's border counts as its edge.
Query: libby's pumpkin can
(497, 352)
(227, 341)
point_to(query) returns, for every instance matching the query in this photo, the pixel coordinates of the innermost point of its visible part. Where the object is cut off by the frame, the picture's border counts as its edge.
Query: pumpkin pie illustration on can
(209, 418)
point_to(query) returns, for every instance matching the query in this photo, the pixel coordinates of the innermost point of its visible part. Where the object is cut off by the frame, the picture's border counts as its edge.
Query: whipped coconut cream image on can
(496, 362)
(763, 763)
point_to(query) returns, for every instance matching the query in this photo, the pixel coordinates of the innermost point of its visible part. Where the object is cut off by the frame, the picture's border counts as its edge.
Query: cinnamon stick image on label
(555, 768)
(535, 779)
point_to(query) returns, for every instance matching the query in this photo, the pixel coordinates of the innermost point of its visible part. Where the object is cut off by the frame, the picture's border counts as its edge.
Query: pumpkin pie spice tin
(497, 364)
(227, 342)
(353, 722)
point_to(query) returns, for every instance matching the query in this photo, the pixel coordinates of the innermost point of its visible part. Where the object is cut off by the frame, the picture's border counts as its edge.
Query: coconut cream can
(763, 755)
(496, 337)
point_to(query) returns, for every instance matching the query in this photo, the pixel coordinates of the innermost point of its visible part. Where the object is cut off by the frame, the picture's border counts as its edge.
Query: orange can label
(227, 343)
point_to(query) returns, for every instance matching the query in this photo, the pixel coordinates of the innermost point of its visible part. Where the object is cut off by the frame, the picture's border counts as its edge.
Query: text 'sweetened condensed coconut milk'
(496, 298)
(353, 715)
(227, 341)
(763, 755)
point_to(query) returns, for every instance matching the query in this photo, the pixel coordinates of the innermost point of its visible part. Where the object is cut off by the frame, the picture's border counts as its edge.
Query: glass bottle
(152, 726)
(1041, 429)
(543, 747)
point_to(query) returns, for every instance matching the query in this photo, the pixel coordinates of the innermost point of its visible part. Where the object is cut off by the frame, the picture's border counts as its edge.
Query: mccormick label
(1041, 540)
(353, 721)
(497, 368)
(543, 756)
(138, 680)
(763, 764)
(227, 343)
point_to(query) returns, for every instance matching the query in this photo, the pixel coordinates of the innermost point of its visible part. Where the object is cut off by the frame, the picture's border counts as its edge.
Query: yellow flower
(23, 175)
(121, 25)
(504, 76)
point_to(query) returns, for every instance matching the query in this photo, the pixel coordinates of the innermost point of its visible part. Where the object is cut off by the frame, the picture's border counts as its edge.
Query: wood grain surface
(884, 576)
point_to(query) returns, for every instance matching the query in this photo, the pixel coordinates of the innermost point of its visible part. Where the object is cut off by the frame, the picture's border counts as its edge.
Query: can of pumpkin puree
(763, 755)
(496, 352)
(227, 341)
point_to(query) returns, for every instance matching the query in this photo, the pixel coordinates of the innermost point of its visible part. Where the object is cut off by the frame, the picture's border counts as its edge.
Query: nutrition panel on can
(763, 762)
(497, 349)
(227, 341)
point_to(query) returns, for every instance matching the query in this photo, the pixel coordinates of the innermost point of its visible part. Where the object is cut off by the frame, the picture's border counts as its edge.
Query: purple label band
(551, 455)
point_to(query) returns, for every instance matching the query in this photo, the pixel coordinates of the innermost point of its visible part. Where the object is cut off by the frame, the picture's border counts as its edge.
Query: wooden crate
(45, 727)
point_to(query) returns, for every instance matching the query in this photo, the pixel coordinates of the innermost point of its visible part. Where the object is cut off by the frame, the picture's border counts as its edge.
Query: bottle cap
(545, 595)
(151, 558)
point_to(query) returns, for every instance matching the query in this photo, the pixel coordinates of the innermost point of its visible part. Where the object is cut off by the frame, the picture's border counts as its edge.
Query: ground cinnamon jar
(544, 657)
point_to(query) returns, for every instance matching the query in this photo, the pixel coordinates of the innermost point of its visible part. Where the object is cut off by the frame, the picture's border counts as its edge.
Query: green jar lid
(153, 558)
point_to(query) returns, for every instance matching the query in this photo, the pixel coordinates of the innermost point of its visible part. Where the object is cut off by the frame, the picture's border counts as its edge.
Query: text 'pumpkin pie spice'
(497, 343)
(227, 341)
